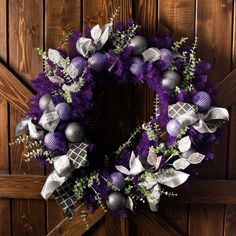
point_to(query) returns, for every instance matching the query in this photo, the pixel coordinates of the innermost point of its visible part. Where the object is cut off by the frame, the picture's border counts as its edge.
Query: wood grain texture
(21, 186)
(206, 220)
(152, 224)
(76, 226)
(3, 30)
(13, 90)
(234, 38)
(5, 207)
(61, 16)
(25, 34)
(177, 16)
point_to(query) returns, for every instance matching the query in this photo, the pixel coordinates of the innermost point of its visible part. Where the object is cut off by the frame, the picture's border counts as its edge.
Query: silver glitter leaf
(196, 158)
(181, 164)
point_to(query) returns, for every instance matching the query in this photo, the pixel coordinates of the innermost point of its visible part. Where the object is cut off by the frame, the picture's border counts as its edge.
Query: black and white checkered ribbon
(59, 183)
(186, 114)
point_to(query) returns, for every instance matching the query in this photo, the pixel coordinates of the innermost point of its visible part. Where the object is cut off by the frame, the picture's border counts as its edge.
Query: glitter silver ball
(115, 201)
(170, 79)
(44, 101)
(139, 44)
(74, 132)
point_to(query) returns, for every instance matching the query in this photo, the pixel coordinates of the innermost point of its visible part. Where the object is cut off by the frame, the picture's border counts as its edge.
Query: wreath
(59, 128)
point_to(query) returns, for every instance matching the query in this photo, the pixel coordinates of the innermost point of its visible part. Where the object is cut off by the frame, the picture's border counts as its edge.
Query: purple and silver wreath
(59, 127)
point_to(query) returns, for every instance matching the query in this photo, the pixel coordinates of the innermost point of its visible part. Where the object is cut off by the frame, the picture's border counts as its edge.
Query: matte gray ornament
(44, 101)
(139, 44)
(115, 201)
(74, 132)
(170, 79)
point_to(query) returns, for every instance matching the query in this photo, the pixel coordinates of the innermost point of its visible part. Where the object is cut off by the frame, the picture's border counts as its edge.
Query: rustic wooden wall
(27, 24)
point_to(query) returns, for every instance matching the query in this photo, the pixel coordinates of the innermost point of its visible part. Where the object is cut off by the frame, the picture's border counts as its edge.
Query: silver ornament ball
(74, 132)
(44, 101)
(170, 79)
(139, 44)
(115, 201)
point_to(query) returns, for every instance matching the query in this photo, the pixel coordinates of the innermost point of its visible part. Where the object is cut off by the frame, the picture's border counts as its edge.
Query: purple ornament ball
(202, 100)
(79, 63)
(97, 61)
(117, 179)
(51, 141)
(173, 127)
(64, 111)
(137, 66)
(166, 56)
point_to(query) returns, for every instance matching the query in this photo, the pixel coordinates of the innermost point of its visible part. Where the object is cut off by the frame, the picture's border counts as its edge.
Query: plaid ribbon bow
(60, 182)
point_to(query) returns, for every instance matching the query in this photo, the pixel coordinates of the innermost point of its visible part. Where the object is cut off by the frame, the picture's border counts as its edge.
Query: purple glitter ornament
(173, 127)
(117, 180)
(137, 66)
(166, 56)
(64, 111)
(202, 100)
(51, 141)
(79, 63)
(97, 61)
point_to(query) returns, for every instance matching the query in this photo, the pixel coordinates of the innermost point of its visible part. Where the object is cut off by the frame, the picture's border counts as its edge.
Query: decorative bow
(86, 46)
(188, 156)
(35, 131)
(152, 183)
(135, 166)
(50, 119)
(60, 178)
(203, 123)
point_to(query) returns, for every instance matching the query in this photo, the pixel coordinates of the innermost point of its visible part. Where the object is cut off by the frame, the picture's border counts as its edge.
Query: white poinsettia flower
(135, 166)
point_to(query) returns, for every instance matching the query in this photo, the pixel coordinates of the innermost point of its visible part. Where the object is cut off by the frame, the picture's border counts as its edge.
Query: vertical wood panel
(3, 29)
(178, 17)
(5, 221)
(28, 216)
(209, 15)
(25, 34)
(60, 16)
(145, 14)
(206, 220)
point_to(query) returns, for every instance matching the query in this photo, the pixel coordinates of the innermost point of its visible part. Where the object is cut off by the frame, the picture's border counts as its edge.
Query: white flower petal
(123, 170)
(181, 164)
(184, 144)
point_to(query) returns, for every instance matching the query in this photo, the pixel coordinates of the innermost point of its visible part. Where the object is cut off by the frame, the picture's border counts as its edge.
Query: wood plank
(177, 16)
(230, 220)
(76, 226)
(25, 34)
(25, 217)
(99, 229)
(3, 30)
(21, 186)
(206, 220)
(13, 90)
(61, 16)
(152, 223)
(209, 14)
(5, 207)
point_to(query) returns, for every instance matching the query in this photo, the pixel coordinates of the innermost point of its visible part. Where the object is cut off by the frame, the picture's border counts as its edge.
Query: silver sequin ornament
(74, 132)
(170, 79)
(44, 101)
(139, 44)
(115, 201)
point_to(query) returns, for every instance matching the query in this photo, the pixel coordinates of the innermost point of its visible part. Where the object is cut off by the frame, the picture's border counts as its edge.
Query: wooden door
(206, 206)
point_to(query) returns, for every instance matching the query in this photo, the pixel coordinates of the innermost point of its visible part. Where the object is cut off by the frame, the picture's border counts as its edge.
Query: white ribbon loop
(87, 46)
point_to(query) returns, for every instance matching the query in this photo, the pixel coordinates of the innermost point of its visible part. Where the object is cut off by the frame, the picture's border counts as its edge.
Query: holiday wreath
(58, 128)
